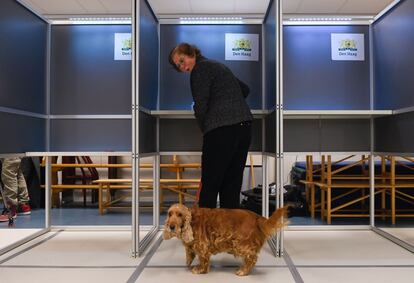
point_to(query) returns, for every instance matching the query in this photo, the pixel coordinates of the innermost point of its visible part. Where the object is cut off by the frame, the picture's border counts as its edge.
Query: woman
(225, 120)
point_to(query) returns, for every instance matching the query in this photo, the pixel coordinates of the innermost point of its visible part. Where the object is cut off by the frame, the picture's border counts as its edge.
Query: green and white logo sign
(347, 46)
(123, 46)
(242, 46)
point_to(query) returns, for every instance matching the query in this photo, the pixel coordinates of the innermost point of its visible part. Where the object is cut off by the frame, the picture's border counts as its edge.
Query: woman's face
(183, 62)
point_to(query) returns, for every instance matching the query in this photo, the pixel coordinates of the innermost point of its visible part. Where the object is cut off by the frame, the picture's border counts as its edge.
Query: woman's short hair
(183, 49)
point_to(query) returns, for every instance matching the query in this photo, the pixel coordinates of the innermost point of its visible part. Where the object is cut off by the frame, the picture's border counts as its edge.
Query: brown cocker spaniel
(208, 231)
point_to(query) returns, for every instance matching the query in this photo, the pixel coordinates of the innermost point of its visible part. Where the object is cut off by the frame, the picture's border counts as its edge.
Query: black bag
(292, 196)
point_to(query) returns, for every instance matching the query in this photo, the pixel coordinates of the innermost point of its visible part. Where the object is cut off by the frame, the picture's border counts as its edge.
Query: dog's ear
(167, 231)
(187, 231)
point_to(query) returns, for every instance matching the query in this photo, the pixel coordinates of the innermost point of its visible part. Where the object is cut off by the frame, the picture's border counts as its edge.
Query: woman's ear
(187, 231)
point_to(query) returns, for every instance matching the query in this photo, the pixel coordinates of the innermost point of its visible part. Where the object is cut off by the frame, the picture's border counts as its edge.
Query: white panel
(60, 6)
(212, 6)
(321, 6)
(364, 7)
(290, 6)
(117, 6)
(93, 6)
(171, 6)
(251, 7)
(33, 6)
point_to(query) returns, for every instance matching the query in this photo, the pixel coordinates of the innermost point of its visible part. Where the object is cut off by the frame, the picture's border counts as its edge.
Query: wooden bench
(175, 166)
(329, 180)
(176, 185)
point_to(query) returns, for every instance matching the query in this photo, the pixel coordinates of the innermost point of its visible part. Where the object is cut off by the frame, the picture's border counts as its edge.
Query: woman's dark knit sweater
(219, 97)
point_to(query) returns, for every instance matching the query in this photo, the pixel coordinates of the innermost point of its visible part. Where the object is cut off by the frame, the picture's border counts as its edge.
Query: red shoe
(24, 209)
(7, 213)
(4, 218)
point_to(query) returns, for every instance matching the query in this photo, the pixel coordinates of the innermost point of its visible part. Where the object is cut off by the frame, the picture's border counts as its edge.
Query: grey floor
(104, 256)
(101, 255)
(90, 216)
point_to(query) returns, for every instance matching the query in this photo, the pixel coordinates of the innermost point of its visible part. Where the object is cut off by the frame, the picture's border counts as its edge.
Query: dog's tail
(275, 222)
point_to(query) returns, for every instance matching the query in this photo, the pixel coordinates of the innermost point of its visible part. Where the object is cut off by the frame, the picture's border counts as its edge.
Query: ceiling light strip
(321, 19)
(100, 19)
(321, 23)
(211, 20)
(93, 21)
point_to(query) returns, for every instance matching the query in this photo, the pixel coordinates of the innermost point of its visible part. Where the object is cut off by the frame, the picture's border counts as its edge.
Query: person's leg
(22, 194)
(218, 148)
(9, 178)
(233, 179)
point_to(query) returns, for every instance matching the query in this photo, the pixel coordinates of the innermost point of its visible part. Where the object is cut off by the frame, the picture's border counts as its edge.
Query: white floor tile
(64, 275)
(357, 275)
(183, 275)
(172, 253)
(75, 248)
(10, 236)
(344, 248)
(404, 234)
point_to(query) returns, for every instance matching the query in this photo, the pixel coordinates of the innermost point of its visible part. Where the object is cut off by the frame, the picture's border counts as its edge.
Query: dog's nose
(172, 227)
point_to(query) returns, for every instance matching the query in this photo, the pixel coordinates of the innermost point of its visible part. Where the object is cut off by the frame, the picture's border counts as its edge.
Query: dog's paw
(242, 272)
(189, 261)
(199, 270)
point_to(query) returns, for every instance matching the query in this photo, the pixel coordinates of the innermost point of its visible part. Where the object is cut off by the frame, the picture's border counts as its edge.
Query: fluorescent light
(100, 19)
(211, 20)
(93, 20)
(321, 19)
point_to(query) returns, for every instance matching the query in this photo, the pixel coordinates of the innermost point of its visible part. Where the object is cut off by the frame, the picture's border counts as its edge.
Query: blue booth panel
(22, 58)
(185, 135)
(175, 93)
(91, 135)
(313, 81)
(148, 58)
(270, 57)
(21, 133)
(326, 135)
(393, 38)
(394, 133)
(85, 78)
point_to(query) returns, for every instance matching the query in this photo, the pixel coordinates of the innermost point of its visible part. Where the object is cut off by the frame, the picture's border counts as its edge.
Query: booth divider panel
(22, 58)
(345, 135)
(175, 92)
(313, 81)
(91, 135)
(148, 58)
(85, 78)
(301, 135)
(393, 38)
(21, 133)
(325, 135)
(147, 133)
(270, 133)
(180, 135)
(395, 133)
(256, 142)
(270, 57)
(185, 135)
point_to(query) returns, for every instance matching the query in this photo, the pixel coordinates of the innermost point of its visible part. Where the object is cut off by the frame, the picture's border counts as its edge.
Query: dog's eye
(169, 213)
(179, 215)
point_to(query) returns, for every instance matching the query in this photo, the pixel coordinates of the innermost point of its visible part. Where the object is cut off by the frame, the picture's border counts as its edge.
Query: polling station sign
(242, 46)
(122, 46)
(347, 47)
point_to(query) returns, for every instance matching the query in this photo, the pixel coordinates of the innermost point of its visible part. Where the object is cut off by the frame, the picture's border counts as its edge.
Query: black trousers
(223, 161)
